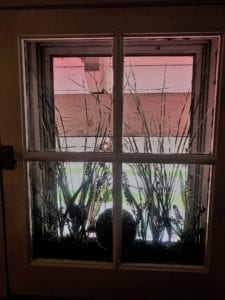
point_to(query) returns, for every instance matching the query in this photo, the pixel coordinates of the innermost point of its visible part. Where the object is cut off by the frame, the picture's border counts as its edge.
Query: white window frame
(117, 157)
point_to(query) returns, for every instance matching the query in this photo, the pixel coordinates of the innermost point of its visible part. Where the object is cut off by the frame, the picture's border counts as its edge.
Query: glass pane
(83, 103)
(157, 96)
(165, 212)
(72, 209)
(74, 109)
(167, 106)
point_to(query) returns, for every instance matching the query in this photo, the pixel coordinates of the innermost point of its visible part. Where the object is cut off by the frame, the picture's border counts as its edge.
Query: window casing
(196, 162)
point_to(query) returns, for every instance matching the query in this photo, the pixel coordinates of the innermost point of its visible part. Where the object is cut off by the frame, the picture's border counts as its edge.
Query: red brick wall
(166, 115)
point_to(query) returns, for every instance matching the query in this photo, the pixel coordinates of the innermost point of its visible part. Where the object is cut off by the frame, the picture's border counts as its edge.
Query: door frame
(3, 264)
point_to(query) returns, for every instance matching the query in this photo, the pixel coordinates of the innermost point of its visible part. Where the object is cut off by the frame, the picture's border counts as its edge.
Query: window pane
(83, 103)
(70, 96)
(166, 205)
(157, 99)
(72, 210)
(168, 101)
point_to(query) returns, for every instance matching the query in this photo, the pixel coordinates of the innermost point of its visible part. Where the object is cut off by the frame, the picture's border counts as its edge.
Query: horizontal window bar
(168, 158)
(123, 157)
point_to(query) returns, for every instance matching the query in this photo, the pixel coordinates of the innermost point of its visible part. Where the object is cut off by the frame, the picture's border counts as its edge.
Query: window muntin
(198, 52)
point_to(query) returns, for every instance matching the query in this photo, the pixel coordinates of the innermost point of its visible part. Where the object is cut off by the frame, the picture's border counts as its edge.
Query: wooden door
(3, 284)
(107, 280)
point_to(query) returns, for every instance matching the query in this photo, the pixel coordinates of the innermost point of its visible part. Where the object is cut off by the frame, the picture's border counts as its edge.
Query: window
(120, 147)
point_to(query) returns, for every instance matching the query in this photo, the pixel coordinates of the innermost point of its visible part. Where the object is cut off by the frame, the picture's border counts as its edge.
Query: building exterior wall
(72, 110)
